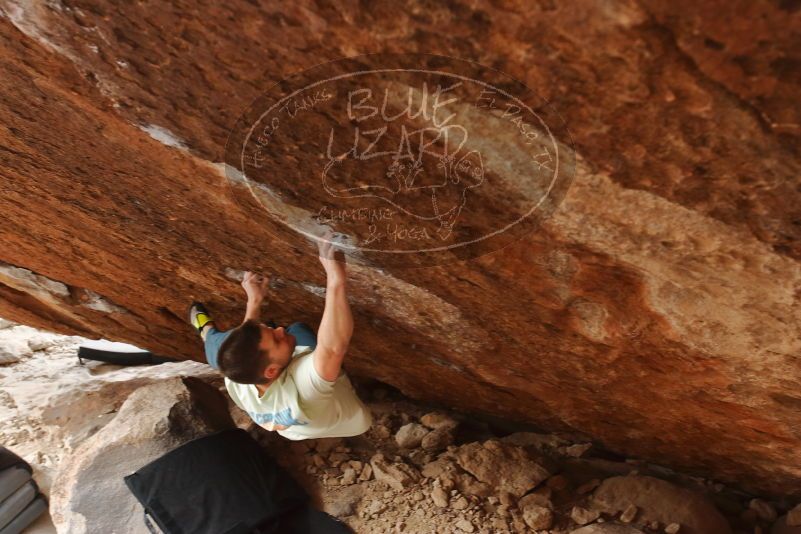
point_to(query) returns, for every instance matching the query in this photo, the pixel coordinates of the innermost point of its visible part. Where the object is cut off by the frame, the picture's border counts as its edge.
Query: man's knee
(205, 330)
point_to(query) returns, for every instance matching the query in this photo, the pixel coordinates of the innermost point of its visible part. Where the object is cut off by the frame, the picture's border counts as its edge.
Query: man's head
(254, 353)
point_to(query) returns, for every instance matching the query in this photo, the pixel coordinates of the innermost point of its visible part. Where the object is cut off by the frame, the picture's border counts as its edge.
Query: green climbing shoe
(199, 316)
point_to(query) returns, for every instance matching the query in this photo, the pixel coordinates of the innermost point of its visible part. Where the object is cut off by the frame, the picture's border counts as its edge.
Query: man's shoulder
(234, 388)
(234, 391)
(303, 369)
(292, 368)
(301, 350)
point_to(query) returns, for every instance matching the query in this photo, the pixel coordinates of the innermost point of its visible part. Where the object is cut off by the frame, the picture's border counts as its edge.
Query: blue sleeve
(304, 335)
(214, 338)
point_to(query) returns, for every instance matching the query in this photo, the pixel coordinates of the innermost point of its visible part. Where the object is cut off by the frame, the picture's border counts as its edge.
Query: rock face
(89, 494)
(670, 267)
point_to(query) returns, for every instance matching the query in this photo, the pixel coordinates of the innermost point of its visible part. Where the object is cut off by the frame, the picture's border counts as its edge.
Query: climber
(287, 379)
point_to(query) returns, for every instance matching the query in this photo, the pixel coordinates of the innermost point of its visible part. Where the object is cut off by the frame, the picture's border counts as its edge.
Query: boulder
(437, 420)
(468, 485)
(536, 516)
(41, 343)
(539, 499)
(441, 465)
(411, 435)
(398, 475)
(659, 500)
(463, 525)
(440, 497)
(89, 495)
(582, 516)
(438, 439)
(459, 502)
(502, 466)
(8, 357)
(13, 344)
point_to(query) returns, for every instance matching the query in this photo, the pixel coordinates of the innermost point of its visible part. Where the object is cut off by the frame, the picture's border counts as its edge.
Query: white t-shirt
(300, 404)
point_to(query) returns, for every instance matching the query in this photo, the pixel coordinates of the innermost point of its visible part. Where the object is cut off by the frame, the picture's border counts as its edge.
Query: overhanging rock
(656, 311)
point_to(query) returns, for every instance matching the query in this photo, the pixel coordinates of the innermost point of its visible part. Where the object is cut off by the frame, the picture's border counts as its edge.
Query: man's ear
(269, 372)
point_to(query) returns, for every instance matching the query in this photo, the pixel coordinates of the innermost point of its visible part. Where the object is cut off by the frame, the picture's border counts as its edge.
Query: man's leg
(212, 340)
(304, 335)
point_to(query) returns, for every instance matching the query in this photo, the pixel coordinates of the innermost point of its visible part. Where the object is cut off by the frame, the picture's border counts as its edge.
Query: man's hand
(332, 259)
(255, 285)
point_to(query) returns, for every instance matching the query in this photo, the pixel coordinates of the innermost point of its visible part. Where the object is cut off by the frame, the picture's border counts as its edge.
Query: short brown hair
(240, 358)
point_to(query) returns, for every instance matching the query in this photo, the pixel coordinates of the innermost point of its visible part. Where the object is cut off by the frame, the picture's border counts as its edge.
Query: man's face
(279, 345)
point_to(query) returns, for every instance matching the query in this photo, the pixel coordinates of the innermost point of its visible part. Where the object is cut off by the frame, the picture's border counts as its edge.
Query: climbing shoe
(199, 316)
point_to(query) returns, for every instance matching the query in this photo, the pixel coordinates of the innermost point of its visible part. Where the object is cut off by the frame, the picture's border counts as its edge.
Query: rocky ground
(419, 469)
(423, 470)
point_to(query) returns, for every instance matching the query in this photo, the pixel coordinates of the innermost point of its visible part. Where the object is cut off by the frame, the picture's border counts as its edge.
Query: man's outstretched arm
(336, 325)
